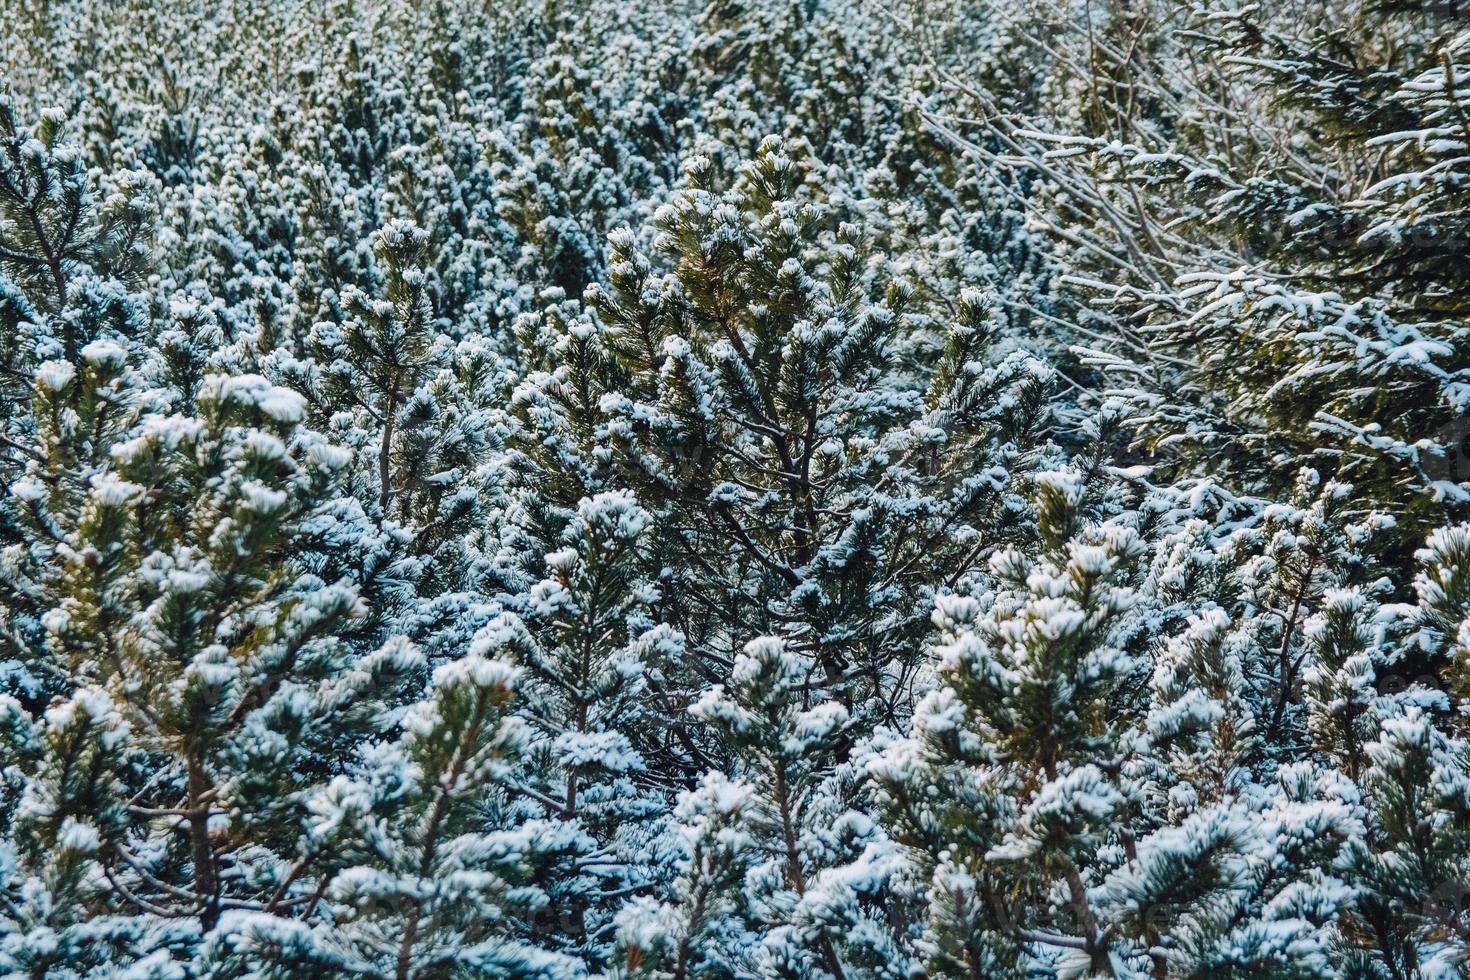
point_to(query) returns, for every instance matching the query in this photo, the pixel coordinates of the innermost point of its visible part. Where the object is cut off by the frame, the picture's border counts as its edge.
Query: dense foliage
(748, 488)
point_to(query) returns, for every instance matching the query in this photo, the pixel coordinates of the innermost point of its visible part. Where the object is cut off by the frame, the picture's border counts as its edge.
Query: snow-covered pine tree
(810, 480)
(375, 361)
(61, 248)
(412, 404)
(593, 663)
(1409, 916)
(773, 823)
(1225, 874)
(184, 612)
(751, 408)
(429, 863)
(1267, 304)
(1007, 789)
(67, 264)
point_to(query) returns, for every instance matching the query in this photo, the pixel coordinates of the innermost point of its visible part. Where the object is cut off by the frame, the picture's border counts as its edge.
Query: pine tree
(1017, 731)
(1409, 867)
(759, 405)
(67, 390)
(225, 668)
(411, 403)
(56, 242)
(1270, 305)
(594, 656)
(433, 866)
(784, 741)
(71, 812)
